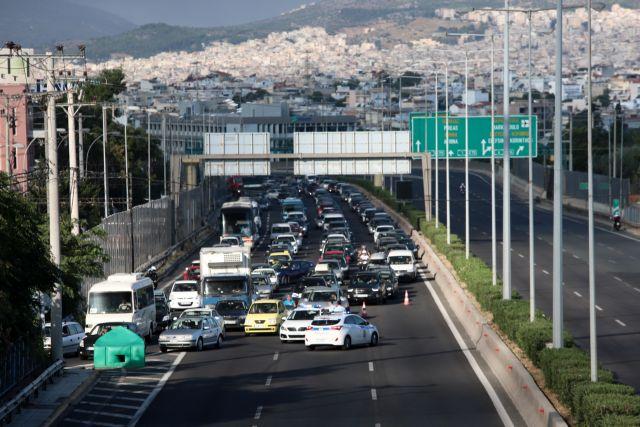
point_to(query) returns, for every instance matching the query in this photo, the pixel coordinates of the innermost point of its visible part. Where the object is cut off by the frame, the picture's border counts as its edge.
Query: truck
(225, 272)
(242, 217)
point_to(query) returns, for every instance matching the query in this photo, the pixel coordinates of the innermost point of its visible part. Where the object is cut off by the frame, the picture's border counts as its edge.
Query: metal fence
(157, 226)
(574, 183)
(18, 362)
(631, 214)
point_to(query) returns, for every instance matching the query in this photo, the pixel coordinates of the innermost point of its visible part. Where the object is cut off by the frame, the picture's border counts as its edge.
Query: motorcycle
(153, 275)
(363, 259)
(617, 224)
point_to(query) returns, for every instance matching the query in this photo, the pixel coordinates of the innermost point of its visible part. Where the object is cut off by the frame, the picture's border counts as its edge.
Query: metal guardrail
(14, 405)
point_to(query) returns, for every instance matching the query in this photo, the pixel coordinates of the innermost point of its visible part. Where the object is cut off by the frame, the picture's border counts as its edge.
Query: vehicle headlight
(81, 344)
(272, 321)
(210, 306)
(349, 290)
(375, 289)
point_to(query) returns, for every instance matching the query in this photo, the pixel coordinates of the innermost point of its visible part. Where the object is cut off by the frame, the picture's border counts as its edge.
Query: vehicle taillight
(309, 328)
(336, 328)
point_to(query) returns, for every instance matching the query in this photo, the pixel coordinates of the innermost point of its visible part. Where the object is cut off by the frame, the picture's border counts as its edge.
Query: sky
(195, 13)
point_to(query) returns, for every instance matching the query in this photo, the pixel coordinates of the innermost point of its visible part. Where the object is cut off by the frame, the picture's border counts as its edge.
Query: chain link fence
(154, 228)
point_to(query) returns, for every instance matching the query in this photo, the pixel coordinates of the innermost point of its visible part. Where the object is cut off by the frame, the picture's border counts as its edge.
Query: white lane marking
(370, 366)
(258, 413)
(93, 423)
(109, 405)
(107, 414)
(374, 394)
(484, 233)
(610, 248)
(620, 323)
(578, 294)
(576, 256)
(520, 255)
(157, 389)
(497, 403)
(617, 278)
(378, 425)
(540, 238)
(102, 396)
(598, 307)
(268, 382)
(545, 272)
(636, 289)
(276, 355)
(612, 261)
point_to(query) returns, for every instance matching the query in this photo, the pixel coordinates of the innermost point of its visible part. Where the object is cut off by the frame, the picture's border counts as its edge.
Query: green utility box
(119, 348)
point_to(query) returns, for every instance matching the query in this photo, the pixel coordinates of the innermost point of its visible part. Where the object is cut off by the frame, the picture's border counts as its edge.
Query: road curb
(74, 398)
(534, 407)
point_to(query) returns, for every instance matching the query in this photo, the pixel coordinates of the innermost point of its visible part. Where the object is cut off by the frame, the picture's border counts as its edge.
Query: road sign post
(479, 136)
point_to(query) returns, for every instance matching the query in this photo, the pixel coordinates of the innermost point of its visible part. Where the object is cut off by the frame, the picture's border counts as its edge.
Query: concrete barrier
(533, 405)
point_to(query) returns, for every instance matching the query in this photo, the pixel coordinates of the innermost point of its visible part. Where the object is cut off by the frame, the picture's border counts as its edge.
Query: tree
(26, 269)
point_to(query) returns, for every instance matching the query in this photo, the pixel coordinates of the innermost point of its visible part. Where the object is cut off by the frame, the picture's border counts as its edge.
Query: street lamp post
(104, 160)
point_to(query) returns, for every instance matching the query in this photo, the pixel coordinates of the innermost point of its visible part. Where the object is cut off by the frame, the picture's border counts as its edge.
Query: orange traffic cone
(406, 297)
(363, 310)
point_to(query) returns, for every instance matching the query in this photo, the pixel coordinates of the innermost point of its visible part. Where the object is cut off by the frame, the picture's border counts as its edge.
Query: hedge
(566, 370)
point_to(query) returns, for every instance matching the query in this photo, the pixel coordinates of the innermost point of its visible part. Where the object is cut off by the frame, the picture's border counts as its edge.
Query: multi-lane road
(617, 268)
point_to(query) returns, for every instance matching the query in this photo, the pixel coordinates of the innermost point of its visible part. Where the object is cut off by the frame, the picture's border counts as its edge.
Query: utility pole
(570, 140)
(615, 138)
(104, 161)
(80, 146)
(149, 154)
(446, 140)
(126, 168)
(621, 157)
(164, 153)
(73, 165)
(506, 169)
(7, 136)
(532, 275)
(558, 315)
(437, 152)
(466, 154)
(53, 204)
(593, 337)
(494, 268)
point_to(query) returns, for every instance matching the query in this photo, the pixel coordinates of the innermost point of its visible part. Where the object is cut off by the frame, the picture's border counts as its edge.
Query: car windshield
(276, 258)
(187, 323)
(110, 302)
(325, 322)
(226, 306)
(263, 308)
(323, 296)
(219, 286)
(304, 315)
(281, 229)
(103, 328)
(258, 280)
(185, 287)
(289, 239)
(405, 259)
(366, 279)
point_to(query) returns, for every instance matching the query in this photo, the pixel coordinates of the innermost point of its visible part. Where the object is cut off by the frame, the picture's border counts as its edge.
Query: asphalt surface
(617, 269)
(417, 375)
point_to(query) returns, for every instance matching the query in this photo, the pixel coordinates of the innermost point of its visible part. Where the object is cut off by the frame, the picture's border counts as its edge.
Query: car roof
(280, 224)
(402, 252)
(319, 289)
(266, 301)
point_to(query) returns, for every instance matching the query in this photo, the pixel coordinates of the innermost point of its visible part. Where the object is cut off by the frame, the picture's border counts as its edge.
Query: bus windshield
(110, 302)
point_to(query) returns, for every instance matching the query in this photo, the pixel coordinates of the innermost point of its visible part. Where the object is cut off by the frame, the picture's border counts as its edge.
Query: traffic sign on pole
(479, 136)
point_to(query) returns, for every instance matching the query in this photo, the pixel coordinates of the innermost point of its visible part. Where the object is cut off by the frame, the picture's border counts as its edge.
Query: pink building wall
(21, 161)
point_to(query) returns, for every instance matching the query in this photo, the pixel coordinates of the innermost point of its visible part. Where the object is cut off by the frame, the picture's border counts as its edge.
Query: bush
(532, 337)
(510, 315)
(610, 420)
(567, 379)
(581, 390)
(597, 406)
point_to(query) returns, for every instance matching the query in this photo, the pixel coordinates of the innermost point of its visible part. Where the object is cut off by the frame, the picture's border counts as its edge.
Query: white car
(323, 298)
(295, 325)
(273, 194)
(271, 273)
(290, 239)
(184, 294)
(403, 264)
(381, 229)
(340, 330)
(72, 335)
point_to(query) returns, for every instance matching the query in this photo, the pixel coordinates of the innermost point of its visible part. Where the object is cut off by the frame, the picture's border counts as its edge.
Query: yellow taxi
(279, 257)
(265, 317)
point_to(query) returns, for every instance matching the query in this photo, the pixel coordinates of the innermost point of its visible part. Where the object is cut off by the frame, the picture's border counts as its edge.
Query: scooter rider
(363, 254)
(462, 188)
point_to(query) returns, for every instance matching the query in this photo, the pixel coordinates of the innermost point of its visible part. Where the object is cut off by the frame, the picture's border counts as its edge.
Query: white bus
(123, 298)
(242, 217)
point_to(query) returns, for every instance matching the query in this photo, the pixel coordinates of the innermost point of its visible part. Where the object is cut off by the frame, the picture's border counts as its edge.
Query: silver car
(191, 332)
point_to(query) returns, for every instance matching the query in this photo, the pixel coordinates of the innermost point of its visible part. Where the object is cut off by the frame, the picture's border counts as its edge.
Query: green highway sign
(479, 136)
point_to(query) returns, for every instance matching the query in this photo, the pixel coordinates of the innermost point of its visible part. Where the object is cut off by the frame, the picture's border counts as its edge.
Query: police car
(340, 330)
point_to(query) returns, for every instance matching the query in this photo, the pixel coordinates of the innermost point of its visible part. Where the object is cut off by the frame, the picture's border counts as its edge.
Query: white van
(403, 264)
(123, 298)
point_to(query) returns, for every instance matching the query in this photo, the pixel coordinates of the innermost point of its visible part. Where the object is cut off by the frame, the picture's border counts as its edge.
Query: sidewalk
(40, 410)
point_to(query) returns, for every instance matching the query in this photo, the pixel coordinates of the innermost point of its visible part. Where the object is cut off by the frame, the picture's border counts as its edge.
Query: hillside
(385, 21)
(43, 23)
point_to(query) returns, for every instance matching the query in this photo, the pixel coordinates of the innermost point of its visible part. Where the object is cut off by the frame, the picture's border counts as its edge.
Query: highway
(416, 375)
(617, 268)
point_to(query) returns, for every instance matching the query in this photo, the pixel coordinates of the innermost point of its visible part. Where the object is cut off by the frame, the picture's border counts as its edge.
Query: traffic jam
(287, 264)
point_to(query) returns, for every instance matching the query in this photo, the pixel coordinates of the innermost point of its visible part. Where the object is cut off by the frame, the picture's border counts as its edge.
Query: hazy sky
(196, 13)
